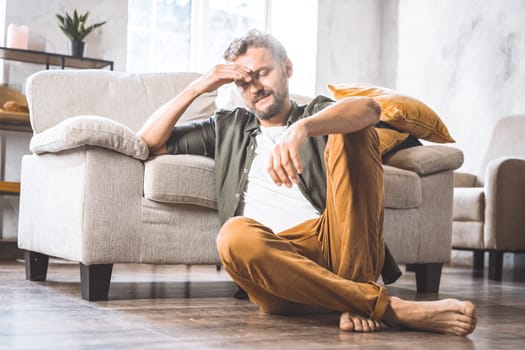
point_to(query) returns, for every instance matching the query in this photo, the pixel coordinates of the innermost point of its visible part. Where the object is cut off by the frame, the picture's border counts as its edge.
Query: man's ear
(288, 68)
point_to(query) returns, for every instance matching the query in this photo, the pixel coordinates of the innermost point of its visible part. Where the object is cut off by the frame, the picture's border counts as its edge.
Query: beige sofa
(489, 206)
(90, 193)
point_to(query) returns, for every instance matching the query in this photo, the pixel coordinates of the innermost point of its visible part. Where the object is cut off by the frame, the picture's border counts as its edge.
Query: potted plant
(75, 29)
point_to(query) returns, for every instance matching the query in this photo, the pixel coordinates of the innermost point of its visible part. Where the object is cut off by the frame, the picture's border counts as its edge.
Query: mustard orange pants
(328, 263)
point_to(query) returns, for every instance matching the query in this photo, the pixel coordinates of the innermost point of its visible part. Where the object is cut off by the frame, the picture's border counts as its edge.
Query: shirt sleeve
(193, 138)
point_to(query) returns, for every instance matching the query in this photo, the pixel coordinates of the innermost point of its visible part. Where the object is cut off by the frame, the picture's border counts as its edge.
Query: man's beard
(273, 109)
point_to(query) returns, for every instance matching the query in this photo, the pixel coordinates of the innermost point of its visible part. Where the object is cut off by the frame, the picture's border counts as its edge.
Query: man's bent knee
(239, 236)
(230, 231)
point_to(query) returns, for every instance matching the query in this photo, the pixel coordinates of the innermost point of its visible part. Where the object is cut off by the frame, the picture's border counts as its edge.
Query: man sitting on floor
(300, 194)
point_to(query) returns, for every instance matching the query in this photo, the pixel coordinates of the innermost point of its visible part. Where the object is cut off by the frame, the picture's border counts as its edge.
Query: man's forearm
(158, 128)
(345, 116)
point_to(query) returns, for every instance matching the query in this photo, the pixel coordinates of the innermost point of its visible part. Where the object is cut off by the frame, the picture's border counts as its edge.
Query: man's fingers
(296, 161)
(273, 174)
(289, 165)
(284, 166)
(223, 74)
(276, 169)
(238, 72)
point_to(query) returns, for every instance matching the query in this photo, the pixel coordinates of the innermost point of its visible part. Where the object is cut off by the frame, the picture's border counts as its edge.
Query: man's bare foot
(443, 316)
(353, 323)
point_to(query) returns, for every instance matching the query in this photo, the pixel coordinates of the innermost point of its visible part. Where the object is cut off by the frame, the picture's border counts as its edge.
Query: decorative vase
(77, 48)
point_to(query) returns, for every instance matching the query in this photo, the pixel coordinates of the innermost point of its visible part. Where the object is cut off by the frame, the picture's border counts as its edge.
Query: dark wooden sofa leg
(94, 281)
(478, 263)
(428, 276)
(36, 265)
(495, 265)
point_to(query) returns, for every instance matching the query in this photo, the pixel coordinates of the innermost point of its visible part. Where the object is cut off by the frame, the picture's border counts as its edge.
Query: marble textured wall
(466, 60)
(357, 42)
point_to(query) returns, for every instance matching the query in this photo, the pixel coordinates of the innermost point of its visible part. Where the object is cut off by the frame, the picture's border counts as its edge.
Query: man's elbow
(154, 146)
(365, 108)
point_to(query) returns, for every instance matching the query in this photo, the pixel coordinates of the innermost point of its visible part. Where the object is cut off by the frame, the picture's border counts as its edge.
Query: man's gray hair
(254, 38)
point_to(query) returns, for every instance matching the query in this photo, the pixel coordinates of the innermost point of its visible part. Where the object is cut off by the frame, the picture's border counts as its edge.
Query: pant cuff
(381, 303)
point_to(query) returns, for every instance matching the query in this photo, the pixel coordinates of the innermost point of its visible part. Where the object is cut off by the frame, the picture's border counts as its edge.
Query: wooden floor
(175, 307)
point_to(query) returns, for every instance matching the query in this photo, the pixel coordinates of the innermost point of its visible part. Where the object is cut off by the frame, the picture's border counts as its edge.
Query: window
(158, 35)
(191, 35)
(182, 35)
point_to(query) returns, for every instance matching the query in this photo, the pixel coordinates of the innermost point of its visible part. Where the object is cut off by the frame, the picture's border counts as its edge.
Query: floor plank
(161, 307)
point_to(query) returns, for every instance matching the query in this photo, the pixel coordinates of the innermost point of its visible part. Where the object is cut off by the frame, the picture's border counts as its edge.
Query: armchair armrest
(89, 130)
(426, 160)
(505, 203)
(465, 180)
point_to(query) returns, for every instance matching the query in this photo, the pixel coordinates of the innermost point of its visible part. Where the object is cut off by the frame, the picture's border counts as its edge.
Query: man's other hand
(285, 163)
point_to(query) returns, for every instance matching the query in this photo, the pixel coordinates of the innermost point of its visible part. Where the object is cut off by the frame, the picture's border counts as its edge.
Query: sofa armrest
(88, 130)
(426, 160)
(465, 180)
(505, 203)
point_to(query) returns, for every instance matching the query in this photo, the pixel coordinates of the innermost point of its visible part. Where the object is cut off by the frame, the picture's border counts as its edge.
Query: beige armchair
(489, 207)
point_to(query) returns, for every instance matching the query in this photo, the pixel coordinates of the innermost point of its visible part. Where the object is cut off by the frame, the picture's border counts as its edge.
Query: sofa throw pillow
(404, 113)
(388, 139)
(89, 130)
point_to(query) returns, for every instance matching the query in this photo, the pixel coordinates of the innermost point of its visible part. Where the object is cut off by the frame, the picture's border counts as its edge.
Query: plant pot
(77, 48)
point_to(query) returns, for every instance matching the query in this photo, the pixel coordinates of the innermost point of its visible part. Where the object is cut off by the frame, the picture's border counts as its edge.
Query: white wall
(466, 59)
(357, 43)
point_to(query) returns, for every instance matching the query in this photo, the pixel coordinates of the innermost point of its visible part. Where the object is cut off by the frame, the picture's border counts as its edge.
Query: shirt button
(251, 147)
(245, 171)
(237, 195)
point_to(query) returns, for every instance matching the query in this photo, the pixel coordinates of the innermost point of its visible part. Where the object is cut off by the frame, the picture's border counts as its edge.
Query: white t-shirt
(277, 207)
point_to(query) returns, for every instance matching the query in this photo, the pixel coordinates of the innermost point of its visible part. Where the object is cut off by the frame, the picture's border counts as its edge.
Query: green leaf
(75, 27)
(60, 18)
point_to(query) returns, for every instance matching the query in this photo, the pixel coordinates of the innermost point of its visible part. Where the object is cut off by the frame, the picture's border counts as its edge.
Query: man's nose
(255, 86)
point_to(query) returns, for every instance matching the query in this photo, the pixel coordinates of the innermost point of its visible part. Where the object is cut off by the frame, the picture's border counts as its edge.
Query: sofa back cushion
(55, 95)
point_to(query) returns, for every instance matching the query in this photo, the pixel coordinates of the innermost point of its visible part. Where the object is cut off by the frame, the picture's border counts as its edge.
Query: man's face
(267, 92)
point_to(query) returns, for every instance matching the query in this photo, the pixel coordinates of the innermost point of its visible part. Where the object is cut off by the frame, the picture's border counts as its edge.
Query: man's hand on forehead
(222, 74)
(247, 78)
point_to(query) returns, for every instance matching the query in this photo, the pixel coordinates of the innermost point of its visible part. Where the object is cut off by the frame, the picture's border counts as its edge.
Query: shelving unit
(53, 59)
(9, 122)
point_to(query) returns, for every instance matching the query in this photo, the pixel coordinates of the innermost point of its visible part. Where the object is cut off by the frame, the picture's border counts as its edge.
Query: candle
(17, 37)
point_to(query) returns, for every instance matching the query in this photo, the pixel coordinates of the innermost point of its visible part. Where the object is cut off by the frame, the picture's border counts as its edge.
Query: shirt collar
(295, 113)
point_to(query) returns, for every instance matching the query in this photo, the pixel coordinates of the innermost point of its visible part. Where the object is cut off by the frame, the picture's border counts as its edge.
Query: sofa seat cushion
(185, 179)
(469, 204)
(189, 179)
(402, 188)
